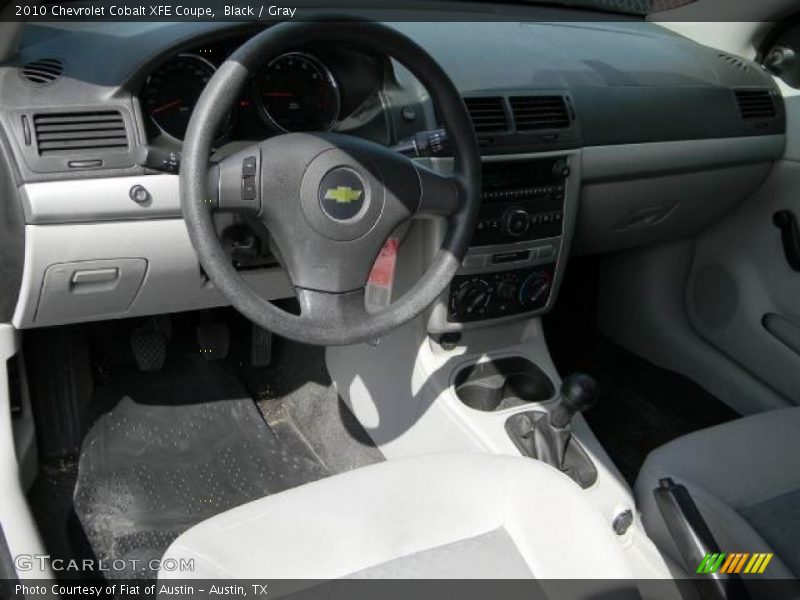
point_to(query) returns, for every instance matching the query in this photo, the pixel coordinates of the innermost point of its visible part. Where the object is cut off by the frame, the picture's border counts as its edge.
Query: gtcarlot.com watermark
(40, 562)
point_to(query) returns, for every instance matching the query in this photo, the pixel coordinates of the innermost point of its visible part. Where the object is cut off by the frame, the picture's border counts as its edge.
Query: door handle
(786, 221)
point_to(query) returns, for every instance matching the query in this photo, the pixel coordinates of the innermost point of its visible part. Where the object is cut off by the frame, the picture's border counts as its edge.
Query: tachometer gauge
(298, 93)
(172, 91)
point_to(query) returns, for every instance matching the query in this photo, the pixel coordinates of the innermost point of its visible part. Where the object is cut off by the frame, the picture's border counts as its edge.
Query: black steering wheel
(329, 201)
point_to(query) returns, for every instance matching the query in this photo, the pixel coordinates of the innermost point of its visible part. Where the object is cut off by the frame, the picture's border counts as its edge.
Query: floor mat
(296, 394)
(147, 472)
(641, 406)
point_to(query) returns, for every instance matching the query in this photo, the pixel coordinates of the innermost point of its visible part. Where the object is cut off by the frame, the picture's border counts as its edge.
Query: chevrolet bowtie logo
(343, 194)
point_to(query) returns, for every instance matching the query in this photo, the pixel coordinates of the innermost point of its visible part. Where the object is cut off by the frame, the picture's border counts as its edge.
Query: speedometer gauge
(298, 93)
(172, 91)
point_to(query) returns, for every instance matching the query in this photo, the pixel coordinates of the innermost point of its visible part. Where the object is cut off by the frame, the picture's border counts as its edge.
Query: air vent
(80, 133)
(488, 114)
(756, 104)
(735, 61)
(539, 112)
(43, 71)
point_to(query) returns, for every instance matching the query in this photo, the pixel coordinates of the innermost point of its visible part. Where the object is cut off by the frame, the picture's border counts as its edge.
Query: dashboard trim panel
(104, 199)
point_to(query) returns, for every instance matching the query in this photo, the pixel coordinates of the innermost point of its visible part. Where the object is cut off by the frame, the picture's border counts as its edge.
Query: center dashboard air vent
(532, 113)
(488, 113)
(756, 104)
(80, 133)
(43, 71)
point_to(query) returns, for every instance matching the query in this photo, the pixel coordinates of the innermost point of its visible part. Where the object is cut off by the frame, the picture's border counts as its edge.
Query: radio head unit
(521, 200)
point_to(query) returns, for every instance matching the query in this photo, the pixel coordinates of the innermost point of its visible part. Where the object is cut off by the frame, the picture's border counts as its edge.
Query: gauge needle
(166, 106)
(279, 94)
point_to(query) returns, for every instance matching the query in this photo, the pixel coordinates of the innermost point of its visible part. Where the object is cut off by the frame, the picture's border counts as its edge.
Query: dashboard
(597, 136)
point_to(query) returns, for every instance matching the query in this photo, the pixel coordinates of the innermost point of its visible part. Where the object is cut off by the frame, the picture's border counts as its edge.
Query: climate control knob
(471, 298)
(515, 222)
(535, 290)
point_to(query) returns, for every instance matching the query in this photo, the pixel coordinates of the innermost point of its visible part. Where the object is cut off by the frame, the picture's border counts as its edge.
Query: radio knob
(515, 222)
(561, 170)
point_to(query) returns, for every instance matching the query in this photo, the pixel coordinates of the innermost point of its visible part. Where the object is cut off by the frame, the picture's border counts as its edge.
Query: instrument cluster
(296, 91)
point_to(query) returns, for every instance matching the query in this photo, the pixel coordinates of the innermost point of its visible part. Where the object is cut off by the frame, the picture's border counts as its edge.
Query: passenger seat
(744, 477)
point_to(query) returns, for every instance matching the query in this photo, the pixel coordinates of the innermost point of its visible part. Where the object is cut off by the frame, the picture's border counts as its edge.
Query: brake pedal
(149, 344)
(213, 340)
(261, 346)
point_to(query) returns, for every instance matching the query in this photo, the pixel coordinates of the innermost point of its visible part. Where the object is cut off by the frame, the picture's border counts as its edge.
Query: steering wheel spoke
(335, 311)
(440, 193)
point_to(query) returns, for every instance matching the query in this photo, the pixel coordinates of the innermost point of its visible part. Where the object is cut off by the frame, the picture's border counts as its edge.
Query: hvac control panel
(499, 294)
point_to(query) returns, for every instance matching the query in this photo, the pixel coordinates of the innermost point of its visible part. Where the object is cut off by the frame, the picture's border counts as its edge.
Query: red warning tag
(382, 274)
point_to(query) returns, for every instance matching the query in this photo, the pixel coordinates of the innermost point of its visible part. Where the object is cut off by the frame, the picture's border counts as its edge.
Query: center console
(513, 265)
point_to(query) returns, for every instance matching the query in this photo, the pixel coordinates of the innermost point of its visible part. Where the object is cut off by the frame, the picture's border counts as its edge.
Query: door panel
(742, 294)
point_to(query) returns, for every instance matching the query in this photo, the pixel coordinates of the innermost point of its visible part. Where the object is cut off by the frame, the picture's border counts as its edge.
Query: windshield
(630, 7)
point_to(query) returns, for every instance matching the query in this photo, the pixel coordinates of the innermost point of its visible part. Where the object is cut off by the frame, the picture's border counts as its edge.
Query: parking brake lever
(695, 542)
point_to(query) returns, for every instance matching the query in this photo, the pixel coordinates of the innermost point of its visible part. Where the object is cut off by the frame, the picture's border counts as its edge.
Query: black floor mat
(148, 471)
(641, 406)
(190, 443)
(51, 501)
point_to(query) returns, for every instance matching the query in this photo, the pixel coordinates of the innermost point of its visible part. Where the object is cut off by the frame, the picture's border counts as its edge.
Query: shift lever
(548, 436)
(578, 393)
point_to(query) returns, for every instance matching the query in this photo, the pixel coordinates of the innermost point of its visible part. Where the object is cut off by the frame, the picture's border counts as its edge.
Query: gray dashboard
(650, 111)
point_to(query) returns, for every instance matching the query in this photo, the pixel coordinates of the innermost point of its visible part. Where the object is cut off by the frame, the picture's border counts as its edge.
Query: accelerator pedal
(261, 346)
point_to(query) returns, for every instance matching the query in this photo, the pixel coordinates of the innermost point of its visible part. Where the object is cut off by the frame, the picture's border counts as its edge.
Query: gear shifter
(548, 436)
(578, 393)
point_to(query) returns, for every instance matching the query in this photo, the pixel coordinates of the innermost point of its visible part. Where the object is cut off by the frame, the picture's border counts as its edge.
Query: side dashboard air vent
(488, 114)
(79, 132)
(43, 71)
(540, 112)
(756, 104)
(734, 61)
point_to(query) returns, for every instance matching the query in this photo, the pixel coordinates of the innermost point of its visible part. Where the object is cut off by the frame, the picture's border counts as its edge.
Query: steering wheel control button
(249, 189)
(249, 166)
(342, 194)
(249, 170)
(139, 194)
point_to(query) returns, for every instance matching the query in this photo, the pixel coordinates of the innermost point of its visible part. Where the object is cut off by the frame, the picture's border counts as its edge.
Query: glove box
(87, 289)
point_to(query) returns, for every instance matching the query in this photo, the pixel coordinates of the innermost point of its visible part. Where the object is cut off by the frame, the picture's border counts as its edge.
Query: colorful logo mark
(735, 562)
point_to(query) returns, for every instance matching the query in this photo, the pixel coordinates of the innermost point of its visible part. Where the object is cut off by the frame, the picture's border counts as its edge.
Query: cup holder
(502, 383)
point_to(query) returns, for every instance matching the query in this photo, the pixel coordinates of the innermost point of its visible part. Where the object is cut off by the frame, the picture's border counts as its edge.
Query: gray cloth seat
(434, 516)
(744, 477)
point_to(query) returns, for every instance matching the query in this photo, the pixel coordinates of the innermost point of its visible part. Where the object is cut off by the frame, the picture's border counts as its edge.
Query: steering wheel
(329, 201)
